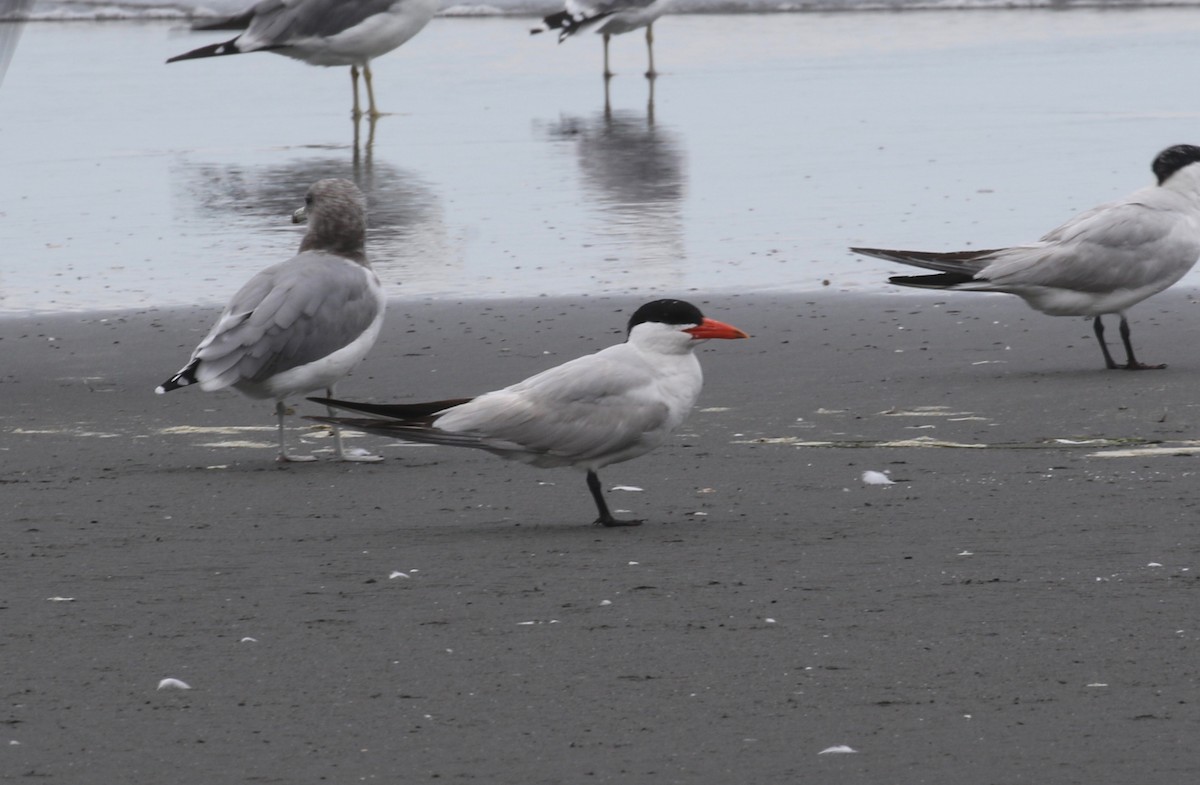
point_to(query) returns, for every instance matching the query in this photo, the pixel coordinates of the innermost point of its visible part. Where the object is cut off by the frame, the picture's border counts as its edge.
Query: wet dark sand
(991, 618)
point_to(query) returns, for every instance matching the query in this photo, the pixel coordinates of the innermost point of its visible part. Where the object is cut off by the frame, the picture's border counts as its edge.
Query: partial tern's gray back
(1102, 261)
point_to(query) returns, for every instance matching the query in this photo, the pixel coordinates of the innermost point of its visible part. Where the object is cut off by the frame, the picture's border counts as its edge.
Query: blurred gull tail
(13, 14)
(567, 23)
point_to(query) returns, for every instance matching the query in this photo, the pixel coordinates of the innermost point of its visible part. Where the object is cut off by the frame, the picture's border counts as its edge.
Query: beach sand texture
(1018, 607)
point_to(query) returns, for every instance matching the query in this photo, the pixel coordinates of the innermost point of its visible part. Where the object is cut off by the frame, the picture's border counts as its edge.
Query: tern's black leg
(1131, 363)
(606, 518)
(1098, 328)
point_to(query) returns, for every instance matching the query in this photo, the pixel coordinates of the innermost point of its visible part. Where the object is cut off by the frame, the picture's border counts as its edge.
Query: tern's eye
(308, 200)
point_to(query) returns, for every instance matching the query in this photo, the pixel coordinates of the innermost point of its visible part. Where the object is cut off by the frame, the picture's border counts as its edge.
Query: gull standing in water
(303, 324)
(607, 407)
(1102, 261)
(324, 32)
(608, 18)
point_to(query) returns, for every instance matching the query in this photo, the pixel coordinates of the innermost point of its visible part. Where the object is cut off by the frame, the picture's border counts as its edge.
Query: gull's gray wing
(286, 316)
(276, 22)
(592, 8)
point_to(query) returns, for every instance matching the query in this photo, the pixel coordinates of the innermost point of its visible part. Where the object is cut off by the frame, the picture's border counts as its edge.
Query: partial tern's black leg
(1098, 328)
(606, 518)
(1131, 363)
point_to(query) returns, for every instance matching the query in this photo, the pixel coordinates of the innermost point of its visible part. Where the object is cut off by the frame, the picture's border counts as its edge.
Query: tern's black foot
(1137, 366)
(611, 521)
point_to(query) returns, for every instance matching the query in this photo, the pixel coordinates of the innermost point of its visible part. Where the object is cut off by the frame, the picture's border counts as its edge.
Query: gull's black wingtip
(185, 377)
(212, 50)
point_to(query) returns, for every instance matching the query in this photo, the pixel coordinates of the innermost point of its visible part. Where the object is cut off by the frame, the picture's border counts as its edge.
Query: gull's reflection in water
(407, 239)
(633, 175)
(364, 149)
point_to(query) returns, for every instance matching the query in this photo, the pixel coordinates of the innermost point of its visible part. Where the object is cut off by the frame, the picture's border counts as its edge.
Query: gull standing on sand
(303, 324)
(608, 18)
(1102, 261)
(611, 406)
(324, 32)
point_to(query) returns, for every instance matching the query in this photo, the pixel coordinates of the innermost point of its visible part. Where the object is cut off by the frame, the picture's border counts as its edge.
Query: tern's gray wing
(288, 20)
(594, 407)
(1128, 245)
(286, 316)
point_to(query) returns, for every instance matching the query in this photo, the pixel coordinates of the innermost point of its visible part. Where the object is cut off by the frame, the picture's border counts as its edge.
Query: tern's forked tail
(413, 413)
(408, 430)
(936, 281)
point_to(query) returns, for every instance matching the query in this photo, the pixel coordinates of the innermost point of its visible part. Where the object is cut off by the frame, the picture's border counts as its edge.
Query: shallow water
(769, 144)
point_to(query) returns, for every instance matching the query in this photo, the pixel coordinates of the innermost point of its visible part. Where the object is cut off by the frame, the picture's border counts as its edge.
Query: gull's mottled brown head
(336, 212)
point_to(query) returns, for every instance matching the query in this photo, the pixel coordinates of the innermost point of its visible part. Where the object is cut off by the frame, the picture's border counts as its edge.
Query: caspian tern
(616, 404)
(608, 18)
(1102, 261)
(323, 32)
(300, 325)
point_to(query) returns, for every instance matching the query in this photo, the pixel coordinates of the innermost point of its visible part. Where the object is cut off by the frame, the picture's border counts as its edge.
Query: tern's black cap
(1173, 159)
(666, 312)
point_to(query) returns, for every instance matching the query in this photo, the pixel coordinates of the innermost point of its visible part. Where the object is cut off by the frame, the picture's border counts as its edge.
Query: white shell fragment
(840, 748)
(397, 574)
(173, 684)
(633, 488)
(876, 478)
(61, 599)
